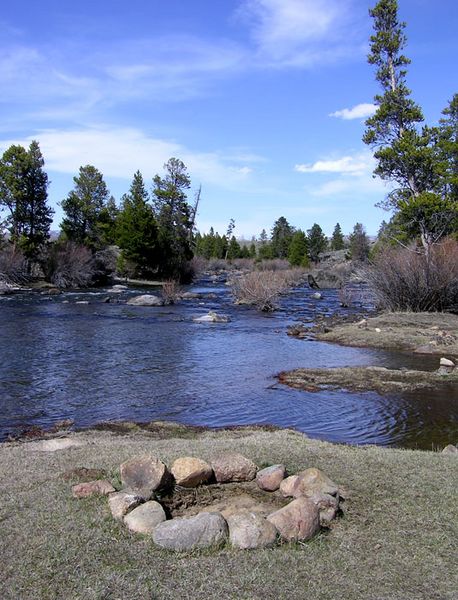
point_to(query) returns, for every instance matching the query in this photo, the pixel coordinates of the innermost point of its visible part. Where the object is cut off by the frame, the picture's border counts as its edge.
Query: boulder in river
(212, 317)
(146, 300)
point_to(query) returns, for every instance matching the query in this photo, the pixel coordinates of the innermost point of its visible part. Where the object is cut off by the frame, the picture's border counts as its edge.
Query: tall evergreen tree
(175, 218)
(317, 242)
(136, 228)
(282, 233)
(83, 208)
(298, 249)
(337, 239)
(23, 192)
(406, 154)
(359, 243)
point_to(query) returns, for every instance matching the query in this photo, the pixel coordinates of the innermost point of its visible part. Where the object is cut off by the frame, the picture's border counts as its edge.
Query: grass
(395, 540)
(434, 333)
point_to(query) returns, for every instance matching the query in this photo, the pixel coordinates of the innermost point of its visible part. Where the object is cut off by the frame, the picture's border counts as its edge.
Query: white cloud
(353, 165)
(119, 152)
(297, 32)
(360, 111)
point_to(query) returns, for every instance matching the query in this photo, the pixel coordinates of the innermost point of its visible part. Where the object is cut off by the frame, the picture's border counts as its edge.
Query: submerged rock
(146, 300)
(212, 317)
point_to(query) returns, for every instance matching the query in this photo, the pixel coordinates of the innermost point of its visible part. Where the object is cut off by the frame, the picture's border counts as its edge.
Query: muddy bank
(363, 379)
(422, 333)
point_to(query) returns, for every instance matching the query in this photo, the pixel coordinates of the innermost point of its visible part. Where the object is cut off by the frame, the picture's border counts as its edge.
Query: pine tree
(337, 239)
(359, 243)
(282, 233)
(233, 250)
(298, 249)
(83, 208)
(317, 242)
(136, 228)
(175, 218)
(23, 192)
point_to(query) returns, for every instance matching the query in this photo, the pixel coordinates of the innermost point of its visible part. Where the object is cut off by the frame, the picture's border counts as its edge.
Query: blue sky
(263, 100)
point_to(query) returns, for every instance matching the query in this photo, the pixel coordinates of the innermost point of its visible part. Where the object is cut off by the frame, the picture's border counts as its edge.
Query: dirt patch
(361, 379)
(226, 498)
(423, 333)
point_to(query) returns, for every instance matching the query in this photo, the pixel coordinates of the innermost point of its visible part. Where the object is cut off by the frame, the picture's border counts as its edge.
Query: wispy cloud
(120, 151)
(360, 111)
(350, 164)
(297, 32)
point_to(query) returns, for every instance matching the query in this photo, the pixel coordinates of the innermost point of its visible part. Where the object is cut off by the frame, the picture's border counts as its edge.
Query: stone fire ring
(151, 493)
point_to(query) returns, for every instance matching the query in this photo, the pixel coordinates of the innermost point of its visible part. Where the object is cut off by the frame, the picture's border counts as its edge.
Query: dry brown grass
(395, 541)
(263, 289)
(435, 333)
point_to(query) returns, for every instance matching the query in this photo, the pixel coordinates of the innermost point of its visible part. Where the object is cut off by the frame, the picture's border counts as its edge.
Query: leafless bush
(346, 296)
(198, 265)
(243, 264)
(68, 265)
(170, 291)
(404, 279)
(260, 288)
(14, 267)
(274, 264)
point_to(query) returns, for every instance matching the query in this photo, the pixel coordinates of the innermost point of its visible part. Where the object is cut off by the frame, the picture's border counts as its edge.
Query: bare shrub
(14, 267)
(260, 288)
(274, 264)
(243, 264)
(69, 265)
(346, 296)
(404, 279)
(170, 291)
(198, 264)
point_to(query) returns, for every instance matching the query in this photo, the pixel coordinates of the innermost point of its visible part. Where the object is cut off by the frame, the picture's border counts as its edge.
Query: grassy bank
(429, 333)
(395, 540)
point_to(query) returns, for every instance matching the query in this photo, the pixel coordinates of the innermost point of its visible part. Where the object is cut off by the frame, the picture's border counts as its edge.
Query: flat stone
(146, 300)
(99, 487)
(311, 481)
(191, 472)
(298, 521)
(270, 478)
(233, 467)
(121, 503)
(145, 518)
(450, 449)
(201, 531)
(145, 472)
(53, 445)
(287, 485)
(250, 530)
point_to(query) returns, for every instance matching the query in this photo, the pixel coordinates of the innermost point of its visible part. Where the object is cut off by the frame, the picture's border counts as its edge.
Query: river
(110, 361)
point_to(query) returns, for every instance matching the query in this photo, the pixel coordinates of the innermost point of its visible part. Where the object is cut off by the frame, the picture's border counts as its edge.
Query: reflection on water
(102, 361)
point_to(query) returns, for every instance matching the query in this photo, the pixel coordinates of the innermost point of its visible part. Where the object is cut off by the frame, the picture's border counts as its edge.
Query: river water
(110, 361)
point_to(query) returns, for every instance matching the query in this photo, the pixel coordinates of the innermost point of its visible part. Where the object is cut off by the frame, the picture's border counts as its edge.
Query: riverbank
(396, 538)
(422, 333)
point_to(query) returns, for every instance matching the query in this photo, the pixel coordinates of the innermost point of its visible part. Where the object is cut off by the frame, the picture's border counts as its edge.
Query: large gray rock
(251, 530)
(146, 300)
(450, 449)
(202, 531)
(191, 472)
(270, 478)
(121, 503)
(287, 486)
(312, 481)
(232, 466)
(145, 518)
(144, 473)
(298, 521)
(327, 505)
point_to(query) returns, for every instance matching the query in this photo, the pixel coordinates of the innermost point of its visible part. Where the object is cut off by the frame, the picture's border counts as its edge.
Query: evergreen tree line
(286, 242)
(154, 230)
